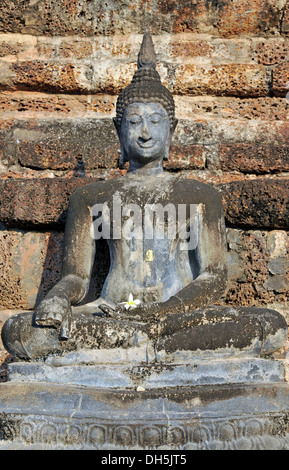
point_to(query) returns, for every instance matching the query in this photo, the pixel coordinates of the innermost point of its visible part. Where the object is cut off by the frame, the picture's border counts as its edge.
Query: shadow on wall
(52, 265)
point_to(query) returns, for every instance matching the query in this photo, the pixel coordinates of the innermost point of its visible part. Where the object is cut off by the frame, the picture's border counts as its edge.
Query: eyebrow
(132, 112)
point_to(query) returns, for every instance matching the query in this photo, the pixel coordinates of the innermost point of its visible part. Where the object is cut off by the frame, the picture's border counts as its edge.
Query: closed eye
(155, 118)
(135, 119)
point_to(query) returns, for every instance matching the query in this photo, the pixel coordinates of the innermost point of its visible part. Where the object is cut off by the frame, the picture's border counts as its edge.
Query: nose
(145, 132)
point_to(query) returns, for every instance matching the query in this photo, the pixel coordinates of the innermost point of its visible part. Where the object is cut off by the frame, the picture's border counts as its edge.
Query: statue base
(53, 416)
(228, 403)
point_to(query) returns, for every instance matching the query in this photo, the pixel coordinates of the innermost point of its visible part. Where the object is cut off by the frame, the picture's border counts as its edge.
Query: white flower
(132, 303)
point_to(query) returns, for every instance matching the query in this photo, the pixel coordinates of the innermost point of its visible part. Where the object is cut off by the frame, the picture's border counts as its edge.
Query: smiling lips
(146, 144)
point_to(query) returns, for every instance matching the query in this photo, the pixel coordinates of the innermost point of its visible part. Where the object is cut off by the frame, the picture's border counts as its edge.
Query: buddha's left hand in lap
(149, 311)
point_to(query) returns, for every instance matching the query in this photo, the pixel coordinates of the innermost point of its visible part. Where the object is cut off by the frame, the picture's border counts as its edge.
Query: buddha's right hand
(55, 312)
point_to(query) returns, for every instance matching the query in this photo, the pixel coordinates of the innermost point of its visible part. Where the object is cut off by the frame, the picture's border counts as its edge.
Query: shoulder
(197, 191)
(92, 192)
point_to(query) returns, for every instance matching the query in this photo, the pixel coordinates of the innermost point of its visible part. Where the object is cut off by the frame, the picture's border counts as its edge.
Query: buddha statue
(167, 243)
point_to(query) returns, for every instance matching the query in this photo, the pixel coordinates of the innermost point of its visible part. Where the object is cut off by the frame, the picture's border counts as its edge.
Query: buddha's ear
(173, 127)
(167, 150)
(172, 130)
(123, 157)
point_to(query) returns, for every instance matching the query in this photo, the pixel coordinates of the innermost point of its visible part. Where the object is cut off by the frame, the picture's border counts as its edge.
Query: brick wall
(62, 64)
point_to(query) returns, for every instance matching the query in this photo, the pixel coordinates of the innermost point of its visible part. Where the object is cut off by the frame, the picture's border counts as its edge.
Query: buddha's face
(145, 133)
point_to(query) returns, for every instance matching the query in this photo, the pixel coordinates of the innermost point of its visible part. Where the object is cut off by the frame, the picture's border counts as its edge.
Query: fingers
(50, 322)
(46, 317)
(107, 310)
(55, 312)
(65, 331)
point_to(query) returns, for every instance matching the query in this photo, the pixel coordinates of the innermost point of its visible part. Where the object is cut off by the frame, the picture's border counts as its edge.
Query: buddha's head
(145, 113)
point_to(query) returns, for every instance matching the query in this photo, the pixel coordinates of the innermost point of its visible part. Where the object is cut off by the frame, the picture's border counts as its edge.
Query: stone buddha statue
(167, 245)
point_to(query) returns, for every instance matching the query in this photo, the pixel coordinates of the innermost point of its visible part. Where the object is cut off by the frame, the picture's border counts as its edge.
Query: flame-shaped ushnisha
(147, 56)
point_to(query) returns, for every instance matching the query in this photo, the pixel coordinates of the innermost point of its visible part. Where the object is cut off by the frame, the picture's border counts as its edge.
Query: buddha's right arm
(55, 309)
(71, 287)
(79, 252)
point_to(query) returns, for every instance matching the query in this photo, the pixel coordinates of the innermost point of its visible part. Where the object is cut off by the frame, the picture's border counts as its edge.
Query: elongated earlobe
(173, 127)
(167, 148)
(123, 158)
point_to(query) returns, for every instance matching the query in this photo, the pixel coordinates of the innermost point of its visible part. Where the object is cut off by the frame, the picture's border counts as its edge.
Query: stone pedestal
(226, 403)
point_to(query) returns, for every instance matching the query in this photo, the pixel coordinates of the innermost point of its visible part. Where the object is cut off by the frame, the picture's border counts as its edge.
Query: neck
(151, 168)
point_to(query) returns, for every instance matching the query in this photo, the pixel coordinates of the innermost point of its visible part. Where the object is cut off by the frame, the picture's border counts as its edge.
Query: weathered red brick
(188, 16)
(230, 80)
(83, 18)
(281, 79)
(90, 144)
(227, 17)
(61, 65)
(63, 77)
(190, 48)
(252, 131)
(245, 17)
(48, 17)
(10, 49)
(124, 48)
(212, 132)
(263, 108)
(77, 144)
(260, 203)
(272, 51)
(111, 78)
(48, 76)
(22, 103)
(75, 49)
(253, 158)
(251, 251)
(31, 264)
(187, 157)
(105, 104)
(37, 202)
